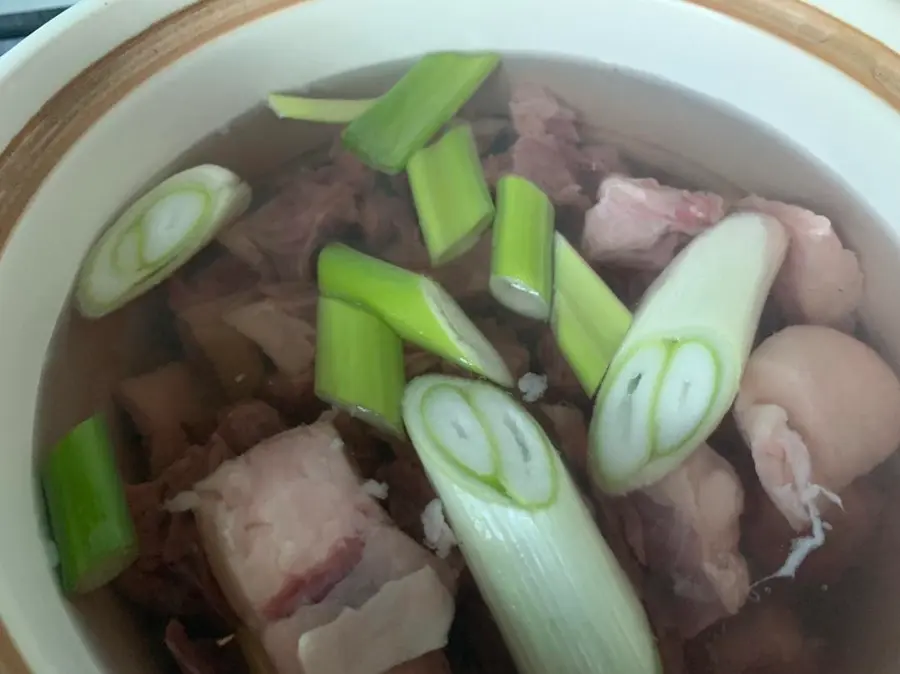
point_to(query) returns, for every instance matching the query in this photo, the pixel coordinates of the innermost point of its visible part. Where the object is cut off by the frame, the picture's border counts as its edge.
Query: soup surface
(228, 374)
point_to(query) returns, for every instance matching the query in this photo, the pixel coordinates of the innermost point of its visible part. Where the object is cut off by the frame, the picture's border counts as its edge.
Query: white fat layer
(624, 424)
(457, 429)
(685, 394)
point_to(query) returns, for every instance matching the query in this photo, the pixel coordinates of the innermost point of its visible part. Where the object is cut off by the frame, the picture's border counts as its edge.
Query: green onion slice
(679, 368)
(327, 110)
(87, 510)
(451, 194)
(359, 364)
(156, 235)
(415, 307)
(405, 119)
(560, 598)
(522, 259)
(588, 321)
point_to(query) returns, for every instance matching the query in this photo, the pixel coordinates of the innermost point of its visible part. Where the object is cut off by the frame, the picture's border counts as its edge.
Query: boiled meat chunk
(820, 282)
(288, 340)
(687, 530)
(818, 409)
(390, 557)
(639, 223)
(311, 562)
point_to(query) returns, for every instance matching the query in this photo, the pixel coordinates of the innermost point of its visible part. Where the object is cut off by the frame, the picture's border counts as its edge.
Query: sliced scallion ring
(678, 370)
(156, 235)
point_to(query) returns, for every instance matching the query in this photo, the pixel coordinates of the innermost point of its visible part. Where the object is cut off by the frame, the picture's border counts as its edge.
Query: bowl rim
(182, 26)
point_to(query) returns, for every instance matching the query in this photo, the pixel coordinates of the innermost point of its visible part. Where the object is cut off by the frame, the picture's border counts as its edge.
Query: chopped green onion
(87, 510)
(415, 307)
(522, 258)
(328, 110)
(156, 235)
(359, 364)
(560, 598)
(678, 370)
(404, 119)
(589, 322)
(451, 194)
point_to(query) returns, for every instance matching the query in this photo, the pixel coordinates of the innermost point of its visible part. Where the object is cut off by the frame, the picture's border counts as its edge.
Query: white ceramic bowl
(771, 95)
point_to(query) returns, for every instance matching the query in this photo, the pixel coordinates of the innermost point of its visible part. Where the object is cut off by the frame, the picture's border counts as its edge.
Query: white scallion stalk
(560, 598)
(156, 235)
(679, 367)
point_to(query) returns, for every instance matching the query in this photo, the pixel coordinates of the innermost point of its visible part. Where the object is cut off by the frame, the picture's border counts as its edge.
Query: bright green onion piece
(87, 511)
(156, 235)
(451, 195)
(406, 118)
(678, 370)
(327, 110)
(359, 364)
(589, 322)
(415, 307)
(558, 594)
(522, 257)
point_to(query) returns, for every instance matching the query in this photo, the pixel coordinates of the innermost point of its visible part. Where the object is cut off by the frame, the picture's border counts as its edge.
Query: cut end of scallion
(404, 119)
(325, 110)
(522, 257)
(481, 431)
(359, 365)
(679, 368)
(451, 195)
(158, 234)
(475, 352)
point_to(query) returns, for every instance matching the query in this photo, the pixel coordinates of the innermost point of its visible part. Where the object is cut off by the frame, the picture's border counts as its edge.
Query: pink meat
(818, 409)
(288, 340)
(821, 281)
(388, 555)
(639, 223)
(686, 529)
(285, 522)
(546, 151)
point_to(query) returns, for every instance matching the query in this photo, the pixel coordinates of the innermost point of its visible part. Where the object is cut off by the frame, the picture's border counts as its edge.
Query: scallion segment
(679, 368)
(156, 235)
(359, 364)
(522, 257)
(560, 598)
(87, 510)
(588, 321)
(451, 194)
(405, 119)
(326, 110)
(415, 307)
